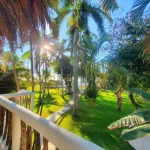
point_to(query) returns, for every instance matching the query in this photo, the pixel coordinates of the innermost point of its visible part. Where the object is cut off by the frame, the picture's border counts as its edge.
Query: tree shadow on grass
(36, 92)
(92, 123)
(102, 137)
(90, 128)
(48, 101)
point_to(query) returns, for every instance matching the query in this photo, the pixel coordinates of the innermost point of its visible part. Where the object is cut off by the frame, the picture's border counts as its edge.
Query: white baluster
(32, 103)
(16, 133)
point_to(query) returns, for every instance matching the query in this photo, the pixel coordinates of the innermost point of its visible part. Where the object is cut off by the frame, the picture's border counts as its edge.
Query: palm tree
(23, 19)
(60, 58)
(78, 13)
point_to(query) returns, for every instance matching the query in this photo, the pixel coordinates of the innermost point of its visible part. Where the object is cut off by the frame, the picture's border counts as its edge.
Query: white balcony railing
(22, 118)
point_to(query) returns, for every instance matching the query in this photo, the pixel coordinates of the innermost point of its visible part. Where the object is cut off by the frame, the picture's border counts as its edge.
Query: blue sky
(125, 6)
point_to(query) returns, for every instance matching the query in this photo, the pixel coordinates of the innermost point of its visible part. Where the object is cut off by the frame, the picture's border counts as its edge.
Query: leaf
(26, 55)
(140, 92)
(137, 10)
(136, 118)
(3, 67)
(109, 5)
(136, 132)
(99, 44)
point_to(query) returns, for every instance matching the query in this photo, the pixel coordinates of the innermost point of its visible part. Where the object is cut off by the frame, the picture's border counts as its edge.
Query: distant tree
(7, 66)
(129, 55)
(88, 68)
(64, 66)
(126, 65)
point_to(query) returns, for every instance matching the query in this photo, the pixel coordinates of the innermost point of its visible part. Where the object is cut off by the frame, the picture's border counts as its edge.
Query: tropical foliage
(116, 59)
(138, 123)
(129, 55)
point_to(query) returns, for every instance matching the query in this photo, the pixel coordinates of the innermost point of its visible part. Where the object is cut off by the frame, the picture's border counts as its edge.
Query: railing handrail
(60, 137)
(20, 93)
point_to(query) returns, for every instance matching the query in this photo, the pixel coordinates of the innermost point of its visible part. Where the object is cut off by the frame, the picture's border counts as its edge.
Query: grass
(52, 102)
(93, 122)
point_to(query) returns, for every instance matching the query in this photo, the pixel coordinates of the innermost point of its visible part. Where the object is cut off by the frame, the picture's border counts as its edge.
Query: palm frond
(136, 118)
(97, 17)
(99, 43)
(140, 92)
(120, 75)
(19, 18)
(146, 52)
(109, 5)
(26, 55)
(138, 9)
(136, 132)
(88, 42)
(83, 21)
(62, 13)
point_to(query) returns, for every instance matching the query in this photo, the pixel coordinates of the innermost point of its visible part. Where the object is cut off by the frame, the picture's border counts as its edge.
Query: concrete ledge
(141, 143)
(61, 138)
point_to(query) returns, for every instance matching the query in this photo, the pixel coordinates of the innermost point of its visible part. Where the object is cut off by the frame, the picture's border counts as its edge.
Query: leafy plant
(91, 93)
(138, 122)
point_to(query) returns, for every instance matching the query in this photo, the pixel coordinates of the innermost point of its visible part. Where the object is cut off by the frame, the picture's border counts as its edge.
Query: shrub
(91, 93)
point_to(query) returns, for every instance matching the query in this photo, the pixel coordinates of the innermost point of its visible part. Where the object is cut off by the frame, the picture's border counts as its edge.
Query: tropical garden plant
(138, 122)
(64, 68)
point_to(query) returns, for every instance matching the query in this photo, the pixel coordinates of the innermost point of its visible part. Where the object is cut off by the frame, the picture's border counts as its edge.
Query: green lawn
(52, 103)
(92, 122)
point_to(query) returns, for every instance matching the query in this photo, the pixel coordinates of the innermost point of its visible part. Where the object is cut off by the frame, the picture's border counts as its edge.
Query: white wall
(141, 143)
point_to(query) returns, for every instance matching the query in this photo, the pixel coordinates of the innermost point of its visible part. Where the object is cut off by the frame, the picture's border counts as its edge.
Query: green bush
(91, 92)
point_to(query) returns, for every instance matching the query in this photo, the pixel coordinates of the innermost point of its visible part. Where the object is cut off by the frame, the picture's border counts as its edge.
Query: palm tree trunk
(23, 136)
(6, 124)
(119, 99)
(131, 97)
(81, 83)
(32, 71)
(29, 130)
(9, 133)
(40, 81)
(36, 143)
(40, 94)
(2, 114)
(29, 138)
(62, 81)
(75, 73)
(45, 144)
(44, 88)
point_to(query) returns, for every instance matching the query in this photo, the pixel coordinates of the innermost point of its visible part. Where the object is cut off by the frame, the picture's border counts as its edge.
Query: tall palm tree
(78, 13)
(22, 19)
